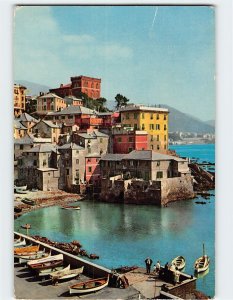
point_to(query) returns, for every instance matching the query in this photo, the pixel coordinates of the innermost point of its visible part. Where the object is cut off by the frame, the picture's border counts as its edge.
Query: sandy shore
(43, 199)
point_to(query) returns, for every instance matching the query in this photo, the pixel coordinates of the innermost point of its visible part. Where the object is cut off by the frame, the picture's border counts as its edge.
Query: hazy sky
(150, 54)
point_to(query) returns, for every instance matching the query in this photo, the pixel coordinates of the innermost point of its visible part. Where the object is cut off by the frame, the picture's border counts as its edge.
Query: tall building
(19, 99)
(50, 103)
(80, 84)
(154, 120)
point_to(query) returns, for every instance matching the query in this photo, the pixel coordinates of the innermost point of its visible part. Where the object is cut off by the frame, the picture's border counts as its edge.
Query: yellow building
(154, 120)
(19, 99)
(49, 103)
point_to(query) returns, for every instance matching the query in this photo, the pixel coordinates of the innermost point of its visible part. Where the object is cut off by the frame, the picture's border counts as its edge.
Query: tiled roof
(26, 140)
(112, 157)
(72, 146)
(51, 124)
(74, 109)
(50, 95)
(72, 98)
(19, 125)
(150, 155)
(27, 118)
(93, 155)
(93, 135)
(43, 148)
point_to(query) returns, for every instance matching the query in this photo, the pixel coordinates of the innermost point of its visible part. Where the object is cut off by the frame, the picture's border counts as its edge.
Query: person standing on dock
(148, 263)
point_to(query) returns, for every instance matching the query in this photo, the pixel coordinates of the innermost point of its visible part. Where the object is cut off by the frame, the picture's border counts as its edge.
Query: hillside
(33, 89)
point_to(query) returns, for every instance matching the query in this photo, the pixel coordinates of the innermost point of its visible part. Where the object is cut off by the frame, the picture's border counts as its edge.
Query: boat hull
(179, 262)
(80, 289)
(47, 259)
(202, 264)
(66, 274)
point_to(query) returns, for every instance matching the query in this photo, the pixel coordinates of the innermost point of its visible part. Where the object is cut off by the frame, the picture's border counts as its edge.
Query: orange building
(50, 103)
(19, 99)
(80, 84)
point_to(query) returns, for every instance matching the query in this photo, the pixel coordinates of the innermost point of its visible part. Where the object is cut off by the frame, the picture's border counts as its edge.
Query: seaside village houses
(123, 155)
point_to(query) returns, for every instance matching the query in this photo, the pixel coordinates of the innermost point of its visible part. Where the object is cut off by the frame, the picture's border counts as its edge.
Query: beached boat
(27, 249)
(28, 201)
(90, 286)
(22, 188)
(202, 263)
(48, 265)
(66, 274)
(179, 262)
(27, 258)
(71, 207)
(47, 272)
(18, 191)
(42, 260)
(19, 242)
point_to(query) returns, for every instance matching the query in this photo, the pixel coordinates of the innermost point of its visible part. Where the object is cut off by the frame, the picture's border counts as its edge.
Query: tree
(121, 100)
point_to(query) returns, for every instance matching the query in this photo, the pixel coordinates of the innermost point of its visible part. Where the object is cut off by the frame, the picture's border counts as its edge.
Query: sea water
(126, 234)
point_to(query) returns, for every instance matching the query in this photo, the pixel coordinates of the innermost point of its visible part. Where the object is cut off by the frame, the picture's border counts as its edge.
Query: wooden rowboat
(28, 201)
(19, 242)
(71, 207)
(90, 286)
(51, 264)
(66, 274)
(27, 249)
(22, 188)
(37, 255)
(179, 262)
(202, 263)
(42, 260)
(47, 272)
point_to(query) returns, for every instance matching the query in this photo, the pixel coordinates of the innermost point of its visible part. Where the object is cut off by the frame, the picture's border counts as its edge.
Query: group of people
(169, 272)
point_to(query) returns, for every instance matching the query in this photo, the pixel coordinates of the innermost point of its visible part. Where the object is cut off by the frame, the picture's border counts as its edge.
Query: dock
(141, 285)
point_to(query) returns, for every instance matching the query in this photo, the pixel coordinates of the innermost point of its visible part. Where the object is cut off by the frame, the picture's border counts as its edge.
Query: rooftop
(72, 146)
(73, 109)
(19, 125)
(27, 118)
(43, 148)
(133, 107)
(50, 95)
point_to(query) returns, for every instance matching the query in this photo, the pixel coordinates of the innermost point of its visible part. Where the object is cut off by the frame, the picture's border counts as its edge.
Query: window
(130, 149)
(159, 174)
(158, 147)
(152, 147)
(21, 147)
(135, 126)
(63, 117)
(35, 163)
(77, 161)
(157, 138)
(130, 139)
(151, 138)
(101, 140)
(88, 160)
(119, 139)
(151, 126)
(158, 163)
(53, 130)
(89, 169)
(48, 174)
(165, 127)
(143, 126)
(151, 116)
(44, 162)
(77, 152)
(143, 116)
(165, 138)
(70, 117)
(135, 115)
(157, 117)
(157, 126)
(127, 116)
(165, 117)
(131, 163)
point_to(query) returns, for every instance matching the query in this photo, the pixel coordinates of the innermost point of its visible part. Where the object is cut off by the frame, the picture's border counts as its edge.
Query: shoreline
(43, 199)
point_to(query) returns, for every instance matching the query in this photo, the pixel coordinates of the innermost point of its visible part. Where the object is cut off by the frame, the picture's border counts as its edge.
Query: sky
(150, 54)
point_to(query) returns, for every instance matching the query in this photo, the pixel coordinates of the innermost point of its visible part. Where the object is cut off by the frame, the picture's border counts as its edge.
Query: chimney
(61, 85)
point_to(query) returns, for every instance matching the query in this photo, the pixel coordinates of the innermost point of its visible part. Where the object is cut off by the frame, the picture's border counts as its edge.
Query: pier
(141, 285)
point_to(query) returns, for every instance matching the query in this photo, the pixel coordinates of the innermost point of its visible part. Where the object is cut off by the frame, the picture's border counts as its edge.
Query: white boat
(49, 271)
(66, 274)
(179, 262)
(19, 191)
(71, 207)
(40, 254)
(42, 260)
(89, 286)
(27, 256)
(202, 263)
(19, 242)
(22, 188)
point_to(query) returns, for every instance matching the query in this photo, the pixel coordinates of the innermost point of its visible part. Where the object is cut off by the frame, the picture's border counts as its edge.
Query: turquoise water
(127, 234)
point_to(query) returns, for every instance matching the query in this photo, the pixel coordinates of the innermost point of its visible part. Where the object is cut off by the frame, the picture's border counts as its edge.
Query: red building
(125, 141)
(80, 84)
(109, 119)
(92, 169)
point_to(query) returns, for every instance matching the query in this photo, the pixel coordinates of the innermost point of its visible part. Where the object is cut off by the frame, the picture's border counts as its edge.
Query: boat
(66, 274)
(26, 226)
(202, 263)
(179, 262)
(27, 249)
(22, 188)
(90, 286)
(71, 207)
(51, 257)
(28, 201)
(47, 272)
(27, 258)
(47, 265)
(17, 191)
(19, 242)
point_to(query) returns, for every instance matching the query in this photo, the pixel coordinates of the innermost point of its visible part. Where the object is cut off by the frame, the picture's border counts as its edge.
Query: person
(148, 263)
(157, 267)
(176, 276)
